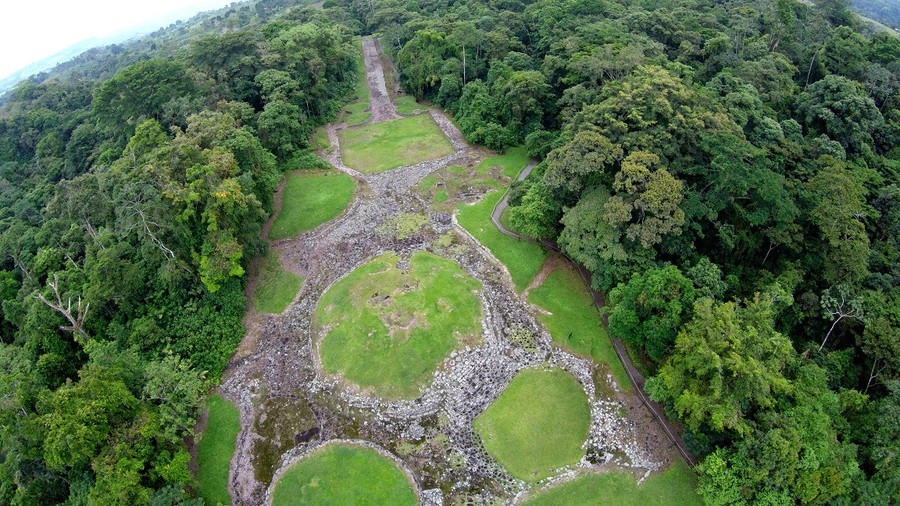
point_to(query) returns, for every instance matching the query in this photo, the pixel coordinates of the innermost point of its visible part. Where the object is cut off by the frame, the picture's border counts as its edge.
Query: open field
(523, 259)
(215, 450)
(387, 329)
(310, 199)
(523, 428)
(344, 474)
(673, 487)
(275, 287)
(378, 147)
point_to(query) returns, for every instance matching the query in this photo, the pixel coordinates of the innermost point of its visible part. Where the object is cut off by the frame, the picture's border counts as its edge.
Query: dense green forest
(727, 171)
(134, 185)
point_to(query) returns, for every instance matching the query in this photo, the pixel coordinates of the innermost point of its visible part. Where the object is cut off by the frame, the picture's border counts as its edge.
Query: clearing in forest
(537, 425)
(215, 449)
(378, 147)
(341, 474)
(389, 323)
(275, 287)
(673, 487)
(310, 198)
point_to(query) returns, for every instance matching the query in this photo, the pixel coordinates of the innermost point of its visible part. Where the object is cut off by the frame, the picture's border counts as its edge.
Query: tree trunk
(830, 331)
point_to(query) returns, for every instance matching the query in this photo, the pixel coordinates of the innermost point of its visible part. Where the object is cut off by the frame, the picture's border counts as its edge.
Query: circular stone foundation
(537, 425)
(388, 324)
(343, 474)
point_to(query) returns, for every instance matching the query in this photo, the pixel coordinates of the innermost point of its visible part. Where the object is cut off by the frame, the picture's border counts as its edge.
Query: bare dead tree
(839, 308)
(76, 319)
(145, 225)
(874, 373)
(18, 263)
(135, 217)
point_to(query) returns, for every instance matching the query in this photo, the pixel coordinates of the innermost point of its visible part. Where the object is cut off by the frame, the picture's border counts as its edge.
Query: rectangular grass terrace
(378, 147)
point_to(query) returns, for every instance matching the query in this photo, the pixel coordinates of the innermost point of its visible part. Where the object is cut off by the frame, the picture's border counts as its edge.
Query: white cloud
(34, 29)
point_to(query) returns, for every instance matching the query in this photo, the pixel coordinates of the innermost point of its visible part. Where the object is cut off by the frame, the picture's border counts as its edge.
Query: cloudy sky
(34, 29)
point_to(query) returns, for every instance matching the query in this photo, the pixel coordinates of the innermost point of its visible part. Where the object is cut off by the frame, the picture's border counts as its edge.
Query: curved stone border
(294, 457)
(355, 394)
(568, 477)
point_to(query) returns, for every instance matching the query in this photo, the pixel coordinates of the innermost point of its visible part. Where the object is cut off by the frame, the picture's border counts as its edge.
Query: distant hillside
(48, 63)
(884, 11)
(89, 49)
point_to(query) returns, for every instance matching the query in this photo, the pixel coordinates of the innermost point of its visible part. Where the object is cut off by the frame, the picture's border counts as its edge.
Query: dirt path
(278, 358)
(382, 107)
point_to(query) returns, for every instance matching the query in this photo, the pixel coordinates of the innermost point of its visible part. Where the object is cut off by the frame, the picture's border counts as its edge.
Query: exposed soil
(382, 107)
(288, 406)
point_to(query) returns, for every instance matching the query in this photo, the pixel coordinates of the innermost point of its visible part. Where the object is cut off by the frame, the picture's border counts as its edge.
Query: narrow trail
(278, 359)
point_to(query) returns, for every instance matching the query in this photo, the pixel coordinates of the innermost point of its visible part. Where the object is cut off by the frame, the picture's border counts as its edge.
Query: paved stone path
(278, 358)
(382, 107)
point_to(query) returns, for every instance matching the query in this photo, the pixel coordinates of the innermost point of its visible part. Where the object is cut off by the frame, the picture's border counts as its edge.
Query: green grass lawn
(512, 162)
(309, 199)
(406, 104)
(215, 450)
(388, 329)
(275, 286)
(384, 146)
(537, 424)
(523, 259)
(427, 182)
(357, 111)
(344, 475)
(319, 140)
(673, 487)
(574, 322)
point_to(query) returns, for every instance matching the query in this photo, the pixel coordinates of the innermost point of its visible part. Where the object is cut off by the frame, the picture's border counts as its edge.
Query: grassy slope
(344, 475)
(523, 259)
(319, 140)
(574, 322)
(406, 104)
(383, 146)
(524, 430)
(275, 287)
(357, 110)
(215, 450)
(672, 487)
(310, 199)
(390, 338)
(512, 162)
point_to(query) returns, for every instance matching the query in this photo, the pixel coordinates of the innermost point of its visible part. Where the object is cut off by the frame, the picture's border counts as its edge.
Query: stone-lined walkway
(278, 362)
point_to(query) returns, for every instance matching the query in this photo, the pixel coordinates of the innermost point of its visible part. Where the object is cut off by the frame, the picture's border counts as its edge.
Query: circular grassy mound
(675, 486)
(537, 424)
(387, 328)
(343, 474)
